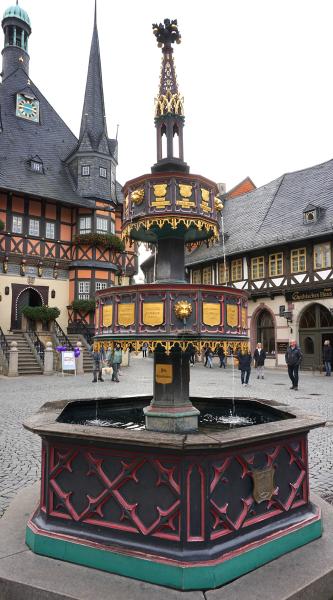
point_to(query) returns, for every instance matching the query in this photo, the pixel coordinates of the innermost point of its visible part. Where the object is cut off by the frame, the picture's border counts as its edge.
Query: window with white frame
(100, 285)
(101, 225)
(112, 227)
(36, 166)
(275, 264)
(84, 290)
(223, 273)
(257, 267)
(207, 275)
(196, 276)
(50, 230)
(85, 224)
(322, 256)
(85, 170)
(17, 224)
(236, 269)
(33, 226)
(298, 260)
(102, 172)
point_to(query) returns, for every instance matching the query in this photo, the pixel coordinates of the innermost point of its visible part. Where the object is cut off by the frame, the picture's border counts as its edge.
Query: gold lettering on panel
(126, 314)
(232, 315)
(107, 315)
(153, 313)
(211, 313)
(244, 318)
(163, 374)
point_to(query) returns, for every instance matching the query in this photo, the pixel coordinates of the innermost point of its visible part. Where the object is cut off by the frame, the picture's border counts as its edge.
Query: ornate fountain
(164, 492)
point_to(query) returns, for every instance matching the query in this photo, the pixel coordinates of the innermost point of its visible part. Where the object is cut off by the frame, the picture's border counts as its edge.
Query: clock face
(27, 108)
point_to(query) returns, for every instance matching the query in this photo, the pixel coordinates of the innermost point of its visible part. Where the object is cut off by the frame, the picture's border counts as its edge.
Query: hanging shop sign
(126, 314)
(153, 313)
(107, 315)
(211, 313)
(313, 294)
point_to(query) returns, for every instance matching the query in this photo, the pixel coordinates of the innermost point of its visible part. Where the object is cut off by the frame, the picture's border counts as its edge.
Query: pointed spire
(169, 100)
(93, 122)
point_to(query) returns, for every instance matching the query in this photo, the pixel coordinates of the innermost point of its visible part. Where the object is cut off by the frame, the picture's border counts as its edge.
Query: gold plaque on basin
(232, 315)
(163, 374)
(107, 315)
(211, 313)
(263, 484)
(153, 313)
(126, 314)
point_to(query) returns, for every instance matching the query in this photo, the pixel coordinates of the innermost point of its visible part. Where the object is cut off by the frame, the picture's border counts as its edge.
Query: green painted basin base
(189, 576)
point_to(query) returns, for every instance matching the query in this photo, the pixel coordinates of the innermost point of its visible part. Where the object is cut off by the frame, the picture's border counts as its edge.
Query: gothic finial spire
(169, 104)
(169, 101)
(93, 121)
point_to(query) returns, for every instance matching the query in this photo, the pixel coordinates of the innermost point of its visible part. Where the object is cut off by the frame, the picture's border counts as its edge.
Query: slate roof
(273, 214)
(93, 122)
(21, 140)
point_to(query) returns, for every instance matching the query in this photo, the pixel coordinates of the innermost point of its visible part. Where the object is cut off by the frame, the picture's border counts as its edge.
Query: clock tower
(17, 29)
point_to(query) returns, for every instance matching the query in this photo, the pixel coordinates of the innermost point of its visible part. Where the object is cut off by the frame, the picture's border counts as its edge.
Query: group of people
(293, 358)
(111, 358)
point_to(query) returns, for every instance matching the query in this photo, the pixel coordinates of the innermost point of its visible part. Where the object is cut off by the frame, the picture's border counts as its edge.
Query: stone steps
(27, 362)
(87, 359)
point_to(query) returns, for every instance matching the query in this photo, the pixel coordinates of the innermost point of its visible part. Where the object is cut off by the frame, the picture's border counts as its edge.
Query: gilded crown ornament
(183, 309)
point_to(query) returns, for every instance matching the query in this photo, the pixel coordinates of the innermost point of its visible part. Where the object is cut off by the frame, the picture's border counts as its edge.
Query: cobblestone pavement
(19, 397)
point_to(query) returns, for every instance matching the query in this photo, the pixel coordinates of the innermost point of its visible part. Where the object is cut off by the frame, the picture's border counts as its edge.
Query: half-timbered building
(60, 202)
(276, 243)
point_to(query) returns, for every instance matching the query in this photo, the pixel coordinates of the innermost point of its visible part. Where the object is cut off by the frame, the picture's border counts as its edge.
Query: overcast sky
(256, 76)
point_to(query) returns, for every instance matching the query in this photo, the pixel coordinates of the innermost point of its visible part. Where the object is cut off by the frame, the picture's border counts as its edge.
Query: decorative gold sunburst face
(137, 196)
(183, 309)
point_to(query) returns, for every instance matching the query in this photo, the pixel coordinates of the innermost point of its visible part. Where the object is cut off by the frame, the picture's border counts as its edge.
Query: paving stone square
(22, 396)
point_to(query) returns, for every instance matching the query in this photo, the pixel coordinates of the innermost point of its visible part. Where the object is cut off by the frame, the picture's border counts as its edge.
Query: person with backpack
(293, 360)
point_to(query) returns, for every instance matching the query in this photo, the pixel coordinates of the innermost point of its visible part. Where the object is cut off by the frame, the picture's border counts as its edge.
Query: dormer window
(36, 166)
(85, 170)
(311, 214)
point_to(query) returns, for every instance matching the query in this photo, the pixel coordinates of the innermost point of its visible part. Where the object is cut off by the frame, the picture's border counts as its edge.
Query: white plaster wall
(61, 288)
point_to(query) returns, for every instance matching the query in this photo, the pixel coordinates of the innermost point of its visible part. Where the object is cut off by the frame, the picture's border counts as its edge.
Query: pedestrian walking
(97, 363)
(144, 349)
(221, 355)
(116, 362)
(192, 356)
(259, 357)
(208, 357)
(293, 359)
(327, 357)
(244, 366)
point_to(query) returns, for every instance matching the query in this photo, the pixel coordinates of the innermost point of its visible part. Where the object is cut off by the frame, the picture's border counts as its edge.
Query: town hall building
(60, 202)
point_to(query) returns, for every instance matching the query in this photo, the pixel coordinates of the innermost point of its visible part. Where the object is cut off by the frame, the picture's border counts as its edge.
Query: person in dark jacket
(97, 363)
(293, 359)
(244, 365)
(221, 355)
(208, 357)
(327, 357)
(259, 357)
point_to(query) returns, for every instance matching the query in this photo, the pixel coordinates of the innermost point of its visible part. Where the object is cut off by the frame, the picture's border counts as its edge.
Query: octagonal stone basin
(189, 511)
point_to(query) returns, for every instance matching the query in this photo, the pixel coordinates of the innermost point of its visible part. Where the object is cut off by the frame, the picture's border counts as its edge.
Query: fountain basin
(189, 511)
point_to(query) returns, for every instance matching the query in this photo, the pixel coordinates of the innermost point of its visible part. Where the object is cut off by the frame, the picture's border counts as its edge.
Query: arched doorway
(266, 331)
(28, 297)
(315, 326)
